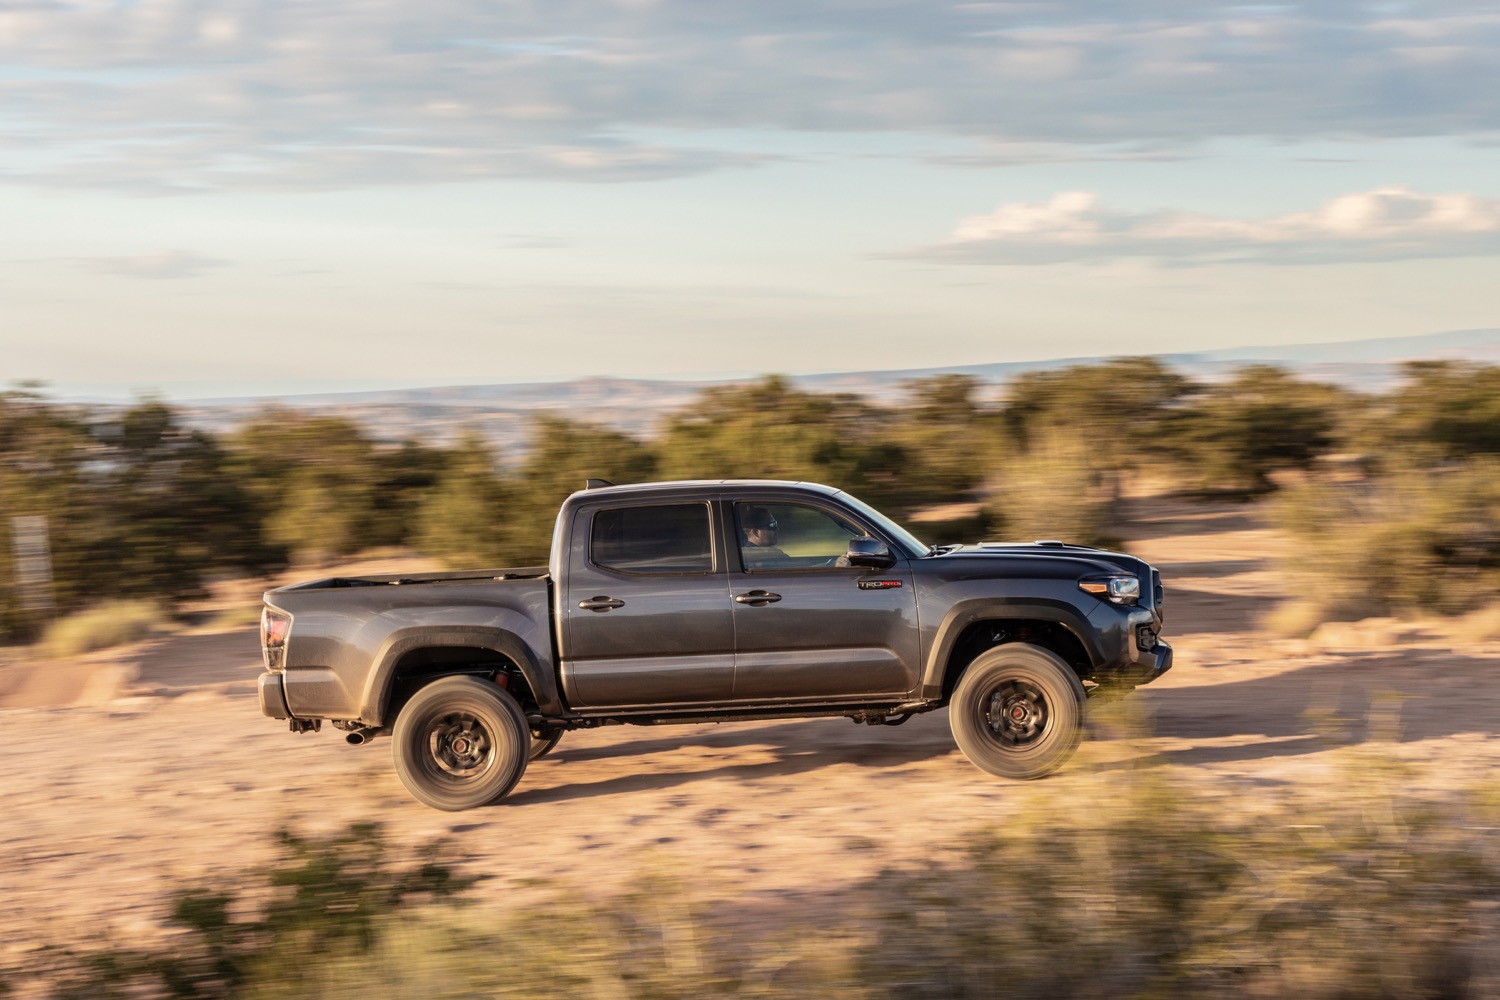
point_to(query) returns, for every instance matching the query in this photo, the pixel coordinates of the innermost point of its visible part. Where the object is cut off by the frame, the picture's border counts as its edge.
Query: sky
(288, 195)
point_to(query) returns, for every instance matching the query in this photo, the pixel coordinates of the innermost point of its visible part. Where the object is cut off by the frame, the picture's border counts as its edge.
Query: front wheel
(460, 743)
(1018, 711)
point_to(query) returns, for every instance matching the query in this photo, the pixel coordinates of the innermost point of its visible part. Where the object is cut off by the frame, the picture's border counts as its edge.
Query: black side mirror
(870, 552)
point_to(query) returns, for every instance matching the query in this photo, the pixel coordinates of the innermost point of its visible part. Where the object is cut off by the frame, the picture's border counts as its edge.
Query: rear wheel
(1018, 711)
(460, 743)
(542, 742)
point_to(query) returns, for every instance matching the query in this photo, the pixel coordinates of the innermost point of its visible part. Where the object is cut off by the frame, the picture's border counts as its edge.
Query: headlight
(1115, 589)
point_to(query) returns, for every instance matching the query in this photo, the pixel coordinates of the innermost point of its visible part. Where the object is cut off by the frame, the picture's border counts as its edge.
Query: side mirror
(869, 552)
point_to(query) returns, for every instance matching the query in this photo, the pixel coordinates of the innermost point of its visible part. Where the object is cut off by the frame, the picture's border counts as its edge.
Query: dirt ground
(132, 771)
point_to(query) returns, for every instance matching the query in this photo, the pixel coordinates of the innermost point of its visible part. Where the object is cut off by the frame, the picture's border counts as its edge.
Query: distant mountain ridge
(502, 412)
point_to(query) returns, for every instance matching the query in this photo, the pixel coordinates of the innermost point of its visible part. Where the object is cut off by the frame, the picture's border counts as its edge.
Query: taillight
(274, 626)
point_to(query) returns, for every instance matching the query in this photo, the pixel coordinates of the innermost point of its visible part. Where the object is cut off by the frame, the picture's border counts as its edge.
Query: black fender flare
(373, 703)
(965, 613)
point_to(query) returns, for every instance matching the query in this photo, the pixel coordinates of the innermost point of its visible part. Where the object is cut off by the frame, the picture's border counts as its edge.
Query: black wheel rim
(1016, 714)
(460, 748)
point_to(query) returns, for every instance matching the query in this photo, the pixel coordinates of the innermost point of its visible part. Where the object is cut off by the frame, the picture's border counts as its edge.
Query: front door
(646, 619)
(808, 628)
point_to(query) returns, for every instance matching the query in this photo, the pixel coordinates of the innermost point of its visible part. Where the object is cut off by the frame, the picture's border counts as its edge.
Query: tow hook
(1107, 692)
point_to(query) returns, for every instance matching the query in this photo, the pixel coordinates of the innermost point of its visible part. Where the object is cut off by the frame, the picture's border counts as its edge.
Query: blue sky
(272, 195)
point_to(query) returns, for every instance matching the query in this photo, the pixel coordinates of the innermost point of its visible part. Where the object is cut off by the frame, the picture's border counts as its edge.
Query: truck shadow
(1362, 697)
(796, 747)
(1195, 612)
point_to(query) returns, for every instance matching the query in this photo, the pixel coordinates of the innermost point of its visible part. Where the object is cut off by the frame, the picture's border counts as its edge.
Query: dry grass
(1294, 619)
(112, 623)
(1481, 625)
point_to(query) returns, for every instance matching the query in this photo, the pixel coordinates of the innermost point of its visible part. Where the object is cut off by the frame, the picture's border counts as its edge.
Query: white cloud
(1388, 223)
(179, 95)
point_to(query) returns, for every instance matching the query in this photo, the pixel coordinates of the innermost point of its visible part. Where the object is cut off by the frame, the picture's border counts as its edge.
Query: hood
(1041, 560)
(1085, 557)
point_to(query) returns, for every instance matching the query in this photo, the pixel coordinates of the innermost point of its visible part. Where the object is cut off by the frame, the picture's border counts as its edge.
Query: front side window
(791, 536)
(667, 538)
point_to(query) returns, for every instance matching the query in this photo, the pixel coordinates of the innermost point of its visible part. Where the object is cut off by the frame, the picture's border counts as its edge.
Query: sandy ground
(132, 771)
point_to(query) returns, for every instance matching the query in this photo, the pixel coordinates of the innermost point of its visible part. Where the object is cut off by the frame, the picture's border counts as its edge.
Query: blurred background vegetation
(1141, 888)
(1393, 499)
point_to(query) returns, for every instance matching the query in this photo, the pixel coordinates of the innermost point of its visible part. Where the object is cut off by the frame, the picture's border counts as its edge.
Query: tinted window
(671, 538)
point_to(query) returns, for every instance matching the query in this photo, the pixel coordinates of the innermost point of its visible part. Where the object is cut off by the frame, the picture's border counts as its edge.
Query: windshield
(913, 546)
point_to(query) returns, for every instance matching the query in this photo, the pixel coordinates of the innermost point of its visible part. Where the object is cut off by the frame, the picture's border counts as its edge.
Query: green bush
(112, 623)
(1423, 539)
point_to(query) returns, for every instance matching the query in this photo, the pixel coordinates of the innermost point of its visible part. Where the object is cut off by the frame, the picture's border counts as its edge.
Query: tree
(135, 504)
(464, 519)
(950, 440)
(316, 482)
(1121, 405)
(1451, 406)
(169, 512)
(768, 430)
(563, 454)
(1236, 434)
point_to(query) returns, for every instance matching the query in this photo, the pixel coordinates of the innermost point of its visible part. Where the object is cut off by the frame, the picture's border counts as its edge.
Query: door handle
(756, 598)
(601, 603)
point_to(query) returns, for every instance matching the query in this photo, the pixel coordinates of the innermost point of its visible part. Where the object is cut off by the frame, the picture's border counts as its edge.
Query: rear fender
(374, 701)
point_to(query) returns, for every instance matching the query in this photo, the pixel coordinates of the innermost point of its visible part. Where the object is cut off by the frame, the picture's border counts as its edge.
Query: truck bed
(408, 579)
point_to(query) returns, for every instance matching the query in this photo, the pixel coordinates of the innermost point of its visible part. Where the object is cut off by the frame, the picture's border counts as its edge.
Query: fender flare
(507, 644)
(965, 613)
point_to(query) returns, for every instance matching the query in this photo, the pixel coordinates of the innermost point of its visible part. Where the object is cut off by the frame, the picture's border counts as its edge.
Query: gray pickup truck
(713, 602)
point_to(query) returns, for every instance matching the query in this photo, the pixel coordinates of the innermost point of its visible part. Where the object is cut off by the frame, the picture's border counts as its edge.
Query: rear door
(808, 628)
(646, 618)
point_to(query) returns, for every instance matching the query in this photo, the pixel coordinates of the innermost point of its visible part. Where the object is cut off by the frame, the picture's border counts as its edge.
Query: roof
(703, 485)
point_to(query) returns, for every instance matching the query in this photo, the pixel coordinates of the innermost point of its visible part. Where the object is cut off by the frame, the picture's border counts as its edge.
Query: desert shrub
(1155, 893)
(1423, 539)
(111, 623)
(1131, 887)
(329, 901)
(1055, 490)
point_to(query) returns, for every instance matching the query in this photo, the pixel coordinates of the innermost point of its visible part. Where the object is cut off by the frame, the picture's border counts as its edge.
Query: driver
(759, 549)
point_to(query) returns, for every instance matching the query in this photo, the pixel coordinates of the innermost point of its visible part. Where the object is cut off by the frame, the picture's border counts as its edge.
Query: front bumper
(1160, 663)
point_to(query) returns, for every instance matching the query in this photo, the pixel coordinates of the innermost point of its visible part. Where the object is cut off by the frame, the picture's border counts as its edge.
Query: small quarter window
(668, 538)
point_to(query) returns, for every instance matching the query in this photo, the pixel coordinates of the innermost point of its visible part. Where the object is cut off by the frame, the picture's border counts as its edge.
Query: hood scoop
(1046, 543)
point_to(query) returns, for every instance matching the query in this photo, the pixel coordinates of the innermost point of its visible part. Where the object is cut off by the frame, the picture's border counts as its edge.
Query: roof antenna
(596, 484)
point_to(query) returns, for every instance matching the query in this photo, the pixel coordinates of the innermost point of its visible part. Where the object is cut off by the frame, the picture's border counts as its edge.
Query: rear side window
(668, 538)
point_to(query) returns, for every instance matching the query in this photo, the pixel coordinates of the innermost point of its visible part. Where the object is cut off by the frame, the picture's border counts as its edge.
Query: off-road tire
(1018, 711)
(460, 742)
(542, 742)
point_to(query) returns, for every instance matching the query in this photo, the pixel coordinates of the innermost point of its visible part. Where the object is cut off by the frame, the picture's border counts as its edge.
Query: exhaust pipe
(362, 736)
